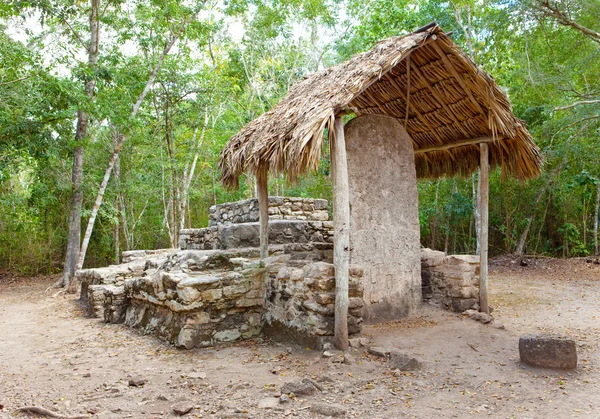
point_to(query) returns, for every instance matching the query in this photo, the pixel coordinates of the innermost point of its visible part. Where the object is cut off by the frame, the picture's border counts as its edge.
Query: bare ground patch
(50, 356)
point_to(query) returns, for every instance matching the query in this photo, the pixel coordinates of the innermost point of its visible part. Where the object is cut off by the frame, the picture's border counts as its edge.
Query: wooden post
(341, 221)
(262, 192)
(484, 164)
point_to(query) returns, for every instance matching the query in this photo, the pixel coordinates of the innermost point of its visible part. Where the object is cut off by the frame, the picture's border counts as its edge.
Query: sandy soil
(52, 357)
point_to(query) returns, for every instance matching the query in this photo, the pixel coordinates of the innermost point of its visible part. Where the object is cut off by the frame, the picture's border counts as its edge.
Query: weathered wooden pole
(262, 192)
(484, 176)
(341, 221)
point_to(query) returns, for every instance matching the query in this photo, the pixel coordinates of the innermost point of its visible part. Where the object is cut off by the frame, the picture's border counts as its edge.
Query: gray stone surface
(306, 387)
(328, 409)
(403, 362)
(384, 219)
(183, 407)
(137, 381)
(281, 208)
(548, 351)
(452, 281)
(479, 316)
(300, 301)
(379, 351)
(233, 236)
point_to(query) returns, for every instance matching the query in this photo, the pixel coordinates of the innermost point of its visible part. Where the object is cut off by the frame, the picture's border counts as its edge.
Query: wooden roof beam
(445, 147)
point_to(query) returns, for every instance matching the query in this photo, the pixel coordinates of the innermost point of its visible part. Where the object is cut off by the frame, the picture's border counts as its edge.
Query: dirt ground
(51, 356)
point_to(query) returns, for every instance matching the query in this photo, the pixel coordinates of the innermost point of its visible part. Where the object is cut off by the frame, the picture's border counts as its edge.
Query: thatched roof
(450, 102)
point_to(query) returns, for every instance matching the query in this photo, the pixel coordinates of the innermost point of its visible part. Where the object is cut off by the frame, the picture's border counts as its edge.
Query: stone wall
(452, 281)
(300, 301)
(384, 219)
(232, 236)
(192, 307)
(197, 298)
(280, 208)
(97, 284)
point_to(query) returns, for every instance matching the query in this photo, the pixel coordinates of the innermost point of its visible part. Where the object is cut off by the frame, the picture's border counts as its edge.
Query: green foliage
(217, 79)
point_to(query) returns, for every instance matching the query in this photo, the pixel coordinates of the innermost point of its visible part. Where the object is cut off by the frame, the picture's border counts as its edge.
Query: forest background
(141, 95)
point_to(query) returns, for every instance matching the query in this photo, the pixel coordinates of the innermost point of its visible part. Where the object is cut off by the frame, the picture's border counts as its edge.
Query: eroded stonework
(233, 236)
(280, 208)
(199, 296)
(452, 281)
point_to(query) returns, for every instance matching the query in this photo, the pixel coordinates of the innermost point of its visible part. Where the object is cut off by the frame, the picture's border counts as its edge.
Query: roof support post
(484, 163)
(262, 191)
(341, 221)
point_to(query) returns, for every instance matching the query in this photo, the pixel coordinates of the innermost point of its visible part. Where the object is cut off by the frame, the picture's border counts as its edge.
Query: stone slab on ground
(328, 409)
(306, 387)
(403, 362)
(479, 316)
(380, 351)
(183, 407)
(548, 351)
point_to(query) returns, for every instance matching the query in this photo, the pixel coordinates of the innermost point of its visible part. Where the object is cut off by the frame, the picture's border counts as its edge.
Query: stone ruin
(214, 289)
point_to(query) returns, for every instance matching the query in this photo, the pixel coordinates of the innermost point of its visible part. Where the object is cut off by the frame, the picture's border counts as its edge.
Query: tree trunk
(523, 238)
(596, 219)
(74, 237)
(117, 202)
(188, 175)
(117, 150)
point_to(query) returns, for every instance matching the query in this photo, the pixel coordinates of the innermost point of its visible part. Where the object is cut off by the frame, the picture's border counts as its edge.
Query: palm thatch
(447, 104)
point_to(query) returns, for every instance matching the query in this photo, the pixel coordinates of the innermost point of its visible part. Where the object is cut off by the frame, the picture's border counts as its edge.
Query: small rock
(325, 379)
(479, 316)
(327, 346)
(349, 359)
(328, 409)
(289, 350)
(306, 387)
(379, 351)
(87, 375)
(197, 375)
(358, 342)
(137, 381)
(162, 397)
(548, 351)
(403, 362)
(331, 353)
(183, 407)
(276, 369)
(268, 403)
(284, 399)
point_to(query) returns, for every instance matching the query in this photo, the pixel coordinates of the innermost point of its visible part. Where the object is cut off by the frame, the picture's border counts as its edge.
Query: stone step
(234, 236)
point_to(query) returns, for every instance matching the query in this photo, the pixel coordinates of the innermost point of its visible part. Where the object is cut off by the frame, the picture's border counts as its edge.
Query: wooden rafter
(457, 144)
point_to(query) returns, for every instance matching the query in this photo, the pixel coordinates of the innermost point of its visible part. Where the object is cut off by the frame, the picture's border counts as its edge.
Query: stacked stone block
(234, 236)
(452, 281)
(300, 300)
(201, 300)
(280, 208)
